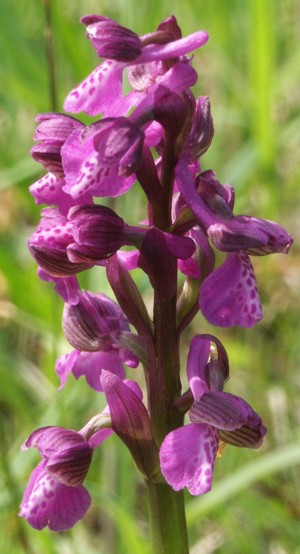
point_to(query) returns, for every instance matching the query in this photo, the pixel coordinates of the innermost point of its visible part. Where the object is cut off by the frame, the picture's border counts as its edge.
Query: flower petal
(228, 296)
(91, 364)
(47, 502)
(187, 457)
(90, 96)
(221, 409)
(196, 363)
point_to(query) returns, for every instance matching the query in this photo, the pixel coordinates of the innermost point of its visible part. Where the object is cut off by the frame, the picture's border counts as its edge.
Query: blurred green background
(250, 68)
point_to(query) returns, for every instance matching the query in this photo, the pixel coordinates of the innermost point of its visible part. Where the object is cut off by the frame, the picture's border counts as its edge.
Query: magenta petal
(47, 502)
(91, 95)
(173, 49)
(180, 77)
(187, 457)
(190, 268)
(91, 364)
(85, 172)
(66, 287)
(48, 190)
(228, 296)
(222, 410)
(64, 365)
(197, 359)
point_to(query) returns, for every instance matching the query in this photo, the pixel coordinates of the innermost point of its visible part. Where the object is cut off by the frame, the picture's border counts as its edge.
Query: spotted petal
(187, 457)
(228, 296)
(47, 502)
(91, 95)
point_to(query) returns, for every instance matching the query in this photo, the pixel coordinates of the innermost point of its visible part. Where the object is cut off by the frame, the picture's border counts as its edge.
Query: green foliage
(250, 70)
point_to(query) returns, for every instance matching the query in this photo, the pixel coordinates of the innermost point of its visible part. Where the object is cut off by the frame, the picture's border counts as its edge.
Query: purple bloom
(154, 135)
(187, 454)
(146, 68)
(48, 245)
(212, 204)
(102, 158)
(94, 326)
(55, 496)
(228, 295)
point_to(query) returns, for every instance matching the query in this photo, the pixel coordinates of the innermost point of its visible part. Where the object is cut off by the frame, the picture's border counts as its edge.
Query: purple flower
(188, 454)
(48, 245)
(228, 295)
(212, 206)
(55, 496)
(95, 326)
(95, 323)
(159, 50)
(67, 244)
(102, 158)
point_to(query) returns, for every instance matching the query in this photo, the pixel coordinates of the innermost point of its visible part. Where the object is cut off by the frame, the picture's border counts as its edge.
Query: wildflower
(102, 158)
(55, 496)
(159, 50)
(188, 454)
(99, 331)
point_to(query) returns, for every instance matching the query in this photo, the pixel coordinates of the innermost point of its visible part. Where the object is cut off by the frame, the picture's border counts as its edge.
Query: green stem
(168, 529)
(167, 520)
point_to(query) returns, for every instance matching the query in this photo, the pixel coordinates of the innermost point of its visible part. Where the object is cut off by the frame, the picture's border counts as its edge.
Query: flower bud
(98, 233)
(68, 455)
(256, 236)
(202, 131)
(94, 323)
